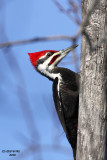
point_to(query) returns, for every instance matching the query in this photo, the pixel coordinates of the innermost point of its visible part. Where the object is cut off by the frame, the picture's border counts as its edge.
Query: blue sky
(21, 86)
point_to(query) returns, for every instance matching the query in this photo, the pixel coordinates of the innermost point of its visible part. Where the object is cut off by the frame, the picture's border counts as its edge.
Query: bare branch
(37, 39)
(64, 37)
(62, 9)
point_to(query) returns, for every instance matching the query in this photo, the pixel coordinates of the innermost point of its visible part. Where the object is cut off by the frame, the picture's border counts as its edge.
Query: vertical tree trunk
(91, 141)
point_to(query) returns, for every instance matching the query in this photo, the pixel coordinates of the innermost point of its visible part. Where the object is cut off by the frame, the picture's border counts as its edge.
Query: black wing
(57, 101)
(66, 103)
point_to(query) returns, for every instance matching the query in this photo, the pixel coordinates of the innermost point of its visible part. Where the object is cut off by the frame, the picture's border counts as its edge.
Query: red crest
(36, 55)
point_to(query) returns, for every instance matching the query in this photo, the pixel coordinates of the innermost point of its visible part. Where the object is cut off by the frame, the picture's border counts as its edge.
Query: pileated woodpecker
(65, 89)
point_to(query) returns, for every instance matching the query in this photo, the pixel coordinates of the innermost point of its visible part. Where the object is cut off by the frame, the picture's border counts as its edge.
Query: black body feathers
(66, 99)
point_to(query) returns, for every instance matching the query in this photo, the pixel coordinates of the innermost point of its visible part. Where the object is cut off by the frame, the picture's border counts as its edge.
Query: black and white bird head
(45, 61)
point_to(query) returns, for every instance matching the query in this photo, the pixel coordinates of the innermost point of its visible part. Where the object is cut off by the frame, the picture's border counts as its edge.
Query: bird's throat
(48, 73)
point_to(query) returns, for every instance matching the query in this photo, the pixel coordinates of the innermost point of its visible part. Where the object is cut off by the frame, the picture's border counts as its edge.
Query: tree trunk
(91, 141)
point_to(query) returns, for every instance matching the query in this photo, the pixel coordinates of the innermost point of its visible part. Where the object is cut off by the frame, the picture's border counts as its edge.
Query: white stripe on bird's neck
(46, 69)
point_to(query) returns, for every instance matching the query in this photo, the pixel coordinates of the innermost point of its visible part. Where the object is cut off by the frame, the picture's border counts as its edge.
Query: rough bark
(91, 141)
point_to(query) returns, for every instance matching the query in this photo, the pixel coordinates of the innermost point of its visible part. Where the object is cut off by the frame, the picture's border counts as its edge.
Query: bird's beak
(66, 50)
(62, 53)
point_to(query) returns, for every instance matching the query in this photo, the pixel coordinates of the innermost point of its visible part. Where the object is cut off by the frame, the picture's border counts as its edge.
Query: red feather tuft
(36, 55)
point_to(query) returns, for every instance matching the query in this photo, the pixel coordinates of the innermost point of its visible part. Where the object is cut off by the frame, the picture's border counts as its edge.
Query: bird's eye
(49, 54)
